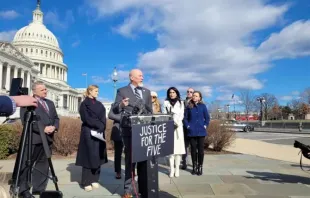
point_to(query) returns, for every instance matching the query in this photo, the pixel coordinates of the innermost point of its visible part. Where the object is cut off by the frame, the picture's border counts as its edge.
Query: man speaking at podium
(125, 96)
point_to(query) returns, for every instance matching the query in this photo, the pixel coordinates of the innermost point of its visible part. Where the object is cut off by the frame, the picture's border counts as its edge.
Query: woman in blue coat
(196, 120)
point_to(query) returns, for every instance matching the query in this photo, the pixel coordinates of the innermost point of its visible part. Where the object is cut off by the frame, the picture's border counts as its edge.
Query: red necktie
(44, 105)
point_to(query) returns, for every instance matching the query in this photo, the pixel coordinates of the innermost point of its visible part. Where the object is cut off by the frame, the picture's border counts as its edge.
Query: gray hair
(35, 84)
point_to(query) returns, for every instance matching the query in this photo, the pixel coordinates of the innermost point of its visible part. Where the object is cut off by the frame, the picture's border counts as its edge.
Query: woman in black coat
(92, 152)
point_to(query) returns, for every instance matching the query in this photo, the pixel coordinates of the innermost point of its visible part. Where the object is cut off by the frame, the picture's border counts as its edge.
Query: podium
(152, 137)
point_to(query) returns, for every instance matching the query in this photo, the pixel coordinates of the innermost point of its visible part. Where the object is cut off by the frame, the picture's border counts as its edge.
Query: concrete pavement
(263, 170)
(225, 176)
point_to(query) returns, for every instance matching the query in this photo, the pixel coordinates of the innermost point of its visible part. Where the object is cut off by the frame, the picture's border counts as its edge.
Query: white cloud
(7, 35)
(293, 41)
(296, 93)
(76, 43)
(52, 17)
(99, 80)
(8, 14)
(206, 43)
(286, 98)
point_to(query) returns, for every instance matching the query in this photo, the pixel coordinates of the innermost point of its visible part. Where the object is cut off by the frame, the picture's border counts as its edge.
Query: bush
(67, 139)
(7, 136)
(219, 137)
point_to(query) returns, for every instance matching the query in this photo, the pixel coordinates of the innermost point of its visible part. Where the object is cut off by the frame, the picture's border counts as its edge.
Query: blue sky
(217, 47)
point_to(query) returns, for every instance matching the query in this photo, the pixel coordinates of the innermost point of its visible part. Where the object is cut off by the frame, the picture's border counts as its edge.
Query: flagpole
(85, 74)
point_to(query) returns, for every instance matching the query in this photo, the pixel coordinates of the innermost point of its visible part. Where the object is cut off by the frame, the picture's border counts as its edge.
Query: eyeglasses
(190, 92)
(154, 97)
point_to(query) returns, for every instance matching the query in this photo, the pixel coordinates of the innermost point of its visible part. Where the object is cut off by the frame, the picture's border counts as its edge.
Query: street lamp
(261, 100)
(219, 112)
(115, 79)
(228, 111)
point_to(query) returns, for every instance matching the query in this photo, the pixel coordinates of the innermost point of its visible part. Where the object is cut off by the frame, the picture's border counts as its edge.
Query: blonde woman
(155, 103)
(175, 106)
(91, 152)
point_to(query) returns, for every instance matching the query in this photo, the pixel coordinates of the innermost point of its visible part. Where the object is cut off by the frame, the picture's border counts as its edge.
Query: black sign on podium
(152, 137)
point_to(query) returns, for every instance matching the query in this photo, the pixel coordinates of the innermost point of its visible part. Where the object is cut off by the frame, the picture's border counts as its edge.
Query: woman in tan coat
(155, 103)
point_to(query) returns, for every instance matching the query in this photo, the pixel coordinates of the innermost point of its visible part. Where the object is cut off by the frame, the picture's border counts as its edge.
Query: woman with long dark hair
(196, 120)
(175, 106)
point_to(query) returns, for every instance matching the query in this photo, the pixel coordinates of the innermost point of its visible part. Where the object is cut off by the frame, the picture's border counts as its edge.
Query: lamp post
(219, 112)
(261, 100)
(228, 111)
(115, 79)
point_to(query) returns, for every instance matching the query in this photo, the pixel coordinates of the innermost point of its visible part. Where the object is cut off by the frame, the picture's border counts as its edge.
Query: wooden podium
(152, 137)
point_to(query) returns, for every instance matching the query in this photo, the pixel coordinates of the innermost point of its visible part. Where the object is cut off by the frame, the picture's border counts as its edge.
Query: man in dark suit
(118, 142)
(189, 95)
(8, 104)
(49, 119)
(125, 95)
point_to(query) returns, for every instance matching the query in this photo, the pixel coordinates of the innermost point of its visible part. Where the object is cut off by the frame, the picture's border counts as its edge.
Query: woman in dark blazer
(92, 152)
(118, 142)
(196, 121)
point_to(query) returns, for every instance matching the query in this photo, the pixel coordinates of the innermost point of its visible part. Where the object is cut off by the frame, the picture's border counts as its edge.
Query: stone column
(55, 71)
(66, 75)
(8, 77)
(1, 74)
(15, 72)
(22, 75)
(28, 80)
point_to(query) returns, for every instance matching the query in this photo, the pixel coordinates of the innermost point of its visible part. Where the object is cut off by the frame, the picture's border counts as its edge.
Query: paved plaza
(227, 175)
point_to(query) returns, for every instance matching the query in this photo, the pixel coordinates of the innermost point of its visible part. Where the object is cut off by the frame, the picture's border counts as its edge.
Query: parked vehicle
(237, 126)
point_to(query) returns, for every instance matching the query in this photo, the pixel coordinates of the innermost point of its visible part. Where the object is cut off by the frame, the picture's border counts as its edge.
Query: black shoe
(194, 171)
(184, 167)
(26, 194)
(199, 170)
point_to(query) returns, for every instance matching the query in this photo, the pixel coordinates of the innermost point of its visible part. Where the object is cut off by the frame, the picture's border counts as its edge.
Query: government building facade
(35, 55)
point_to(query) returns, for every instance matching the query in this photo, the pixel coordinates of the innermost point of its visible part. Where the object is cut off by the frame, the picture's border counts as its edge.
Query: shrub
(219, 137)
(67, 139)
(7, 136)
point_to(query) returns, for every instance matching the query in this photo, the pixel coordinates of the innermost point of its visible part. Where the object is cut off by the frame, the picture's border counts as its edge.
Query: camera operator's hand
(25, 101)
(124, 103)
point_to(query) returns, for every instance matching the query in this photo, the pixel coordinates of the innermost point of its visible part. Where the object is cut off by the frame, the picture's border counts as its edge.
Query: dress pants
(118, 150)
(197, 143)
(40, 164)
(186, 143)
(90, 176)
(129, 184)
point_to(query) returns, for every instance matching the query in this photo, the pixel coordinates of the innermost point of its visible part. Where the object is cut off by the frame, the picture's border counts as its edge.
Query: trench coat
(92, 152)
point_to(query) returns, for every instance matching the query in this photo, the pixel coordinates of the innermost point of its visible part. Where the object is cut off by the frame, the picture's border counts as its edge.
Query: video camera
(17, 89)
(305, 149)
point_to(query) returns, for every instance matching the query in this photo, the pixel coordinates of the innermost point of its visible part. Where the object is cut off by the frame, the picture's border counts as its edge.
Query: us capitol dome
(35, 55)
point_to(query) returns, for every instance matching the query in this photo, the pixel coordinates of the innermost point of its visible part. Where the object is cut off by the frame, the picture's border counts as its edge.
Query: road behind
(275, 138)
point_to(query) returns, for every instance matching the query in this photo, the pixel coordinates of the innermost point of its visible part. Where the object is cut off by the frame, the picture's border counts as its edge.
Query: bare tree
(270, 101)
(305, 96)
(246, 100)
(213, 108)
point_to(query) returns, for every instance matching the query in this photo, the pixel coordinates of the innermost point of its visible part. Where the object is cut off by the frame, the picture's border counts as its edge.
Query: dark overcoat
(92, 152)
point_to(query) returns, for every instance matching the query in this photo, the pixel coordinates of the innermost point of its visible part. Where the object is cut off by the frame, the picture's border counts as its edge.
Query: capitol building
(35, 55)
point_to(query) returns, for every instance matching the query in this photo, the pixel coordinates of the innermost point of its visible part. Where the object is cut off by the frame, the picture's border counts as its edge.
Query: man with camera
(48, 117)
(125, 98)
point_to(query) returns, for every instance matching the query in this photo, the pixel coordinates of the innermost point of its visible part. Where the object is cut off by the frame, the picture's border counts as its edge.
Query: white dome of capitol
(36, 32)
